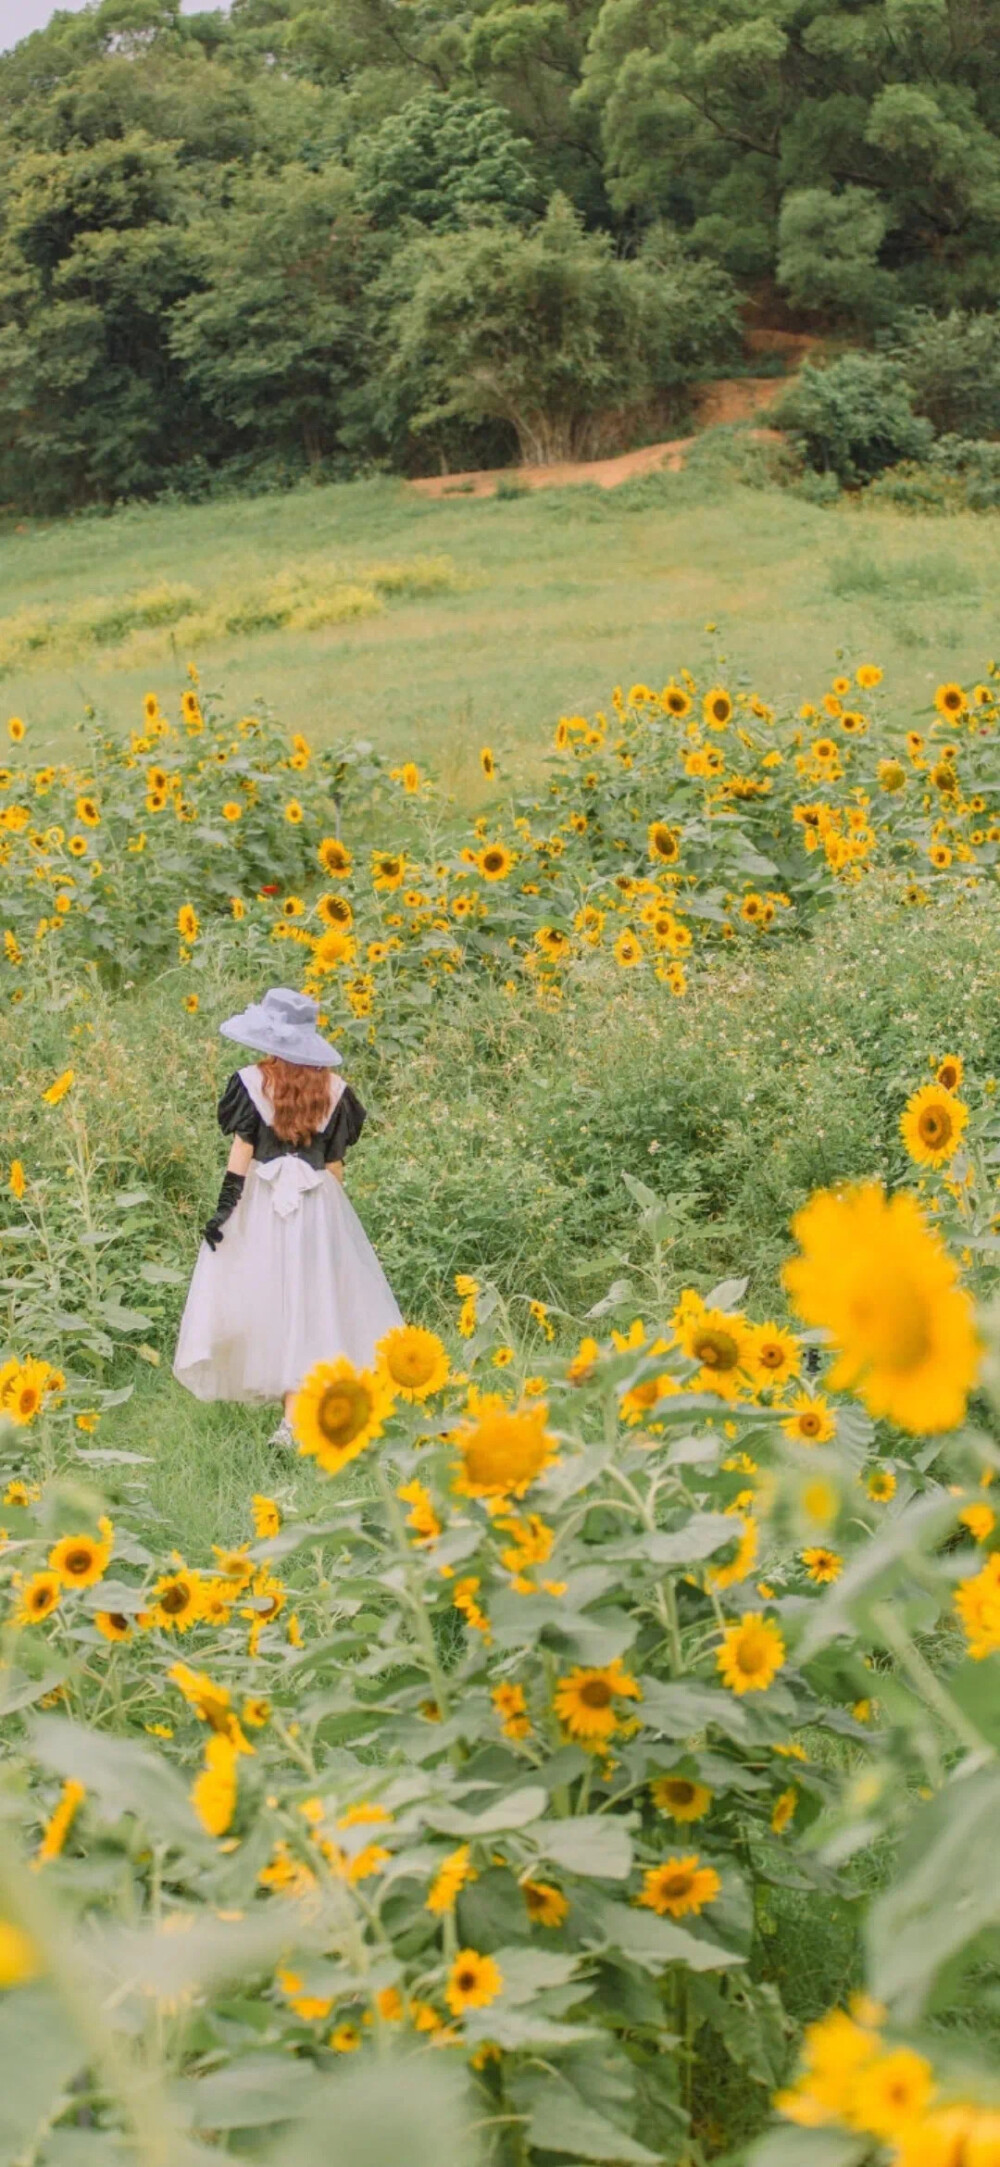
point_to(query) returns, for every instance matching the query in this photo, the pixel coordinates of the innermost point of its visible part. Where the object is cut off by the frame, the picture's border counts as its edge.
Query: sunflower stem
(424, 1629)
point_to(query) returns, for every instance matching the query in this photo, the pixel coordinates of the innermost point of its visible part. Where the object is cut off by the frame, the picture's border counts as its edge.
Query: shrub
(855, 417)
(952, 366)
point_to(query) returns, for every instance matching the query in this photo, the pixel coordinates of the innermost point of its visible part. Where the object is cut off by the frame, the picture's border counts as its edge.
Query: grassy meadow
(606, 1695)
(547, 601)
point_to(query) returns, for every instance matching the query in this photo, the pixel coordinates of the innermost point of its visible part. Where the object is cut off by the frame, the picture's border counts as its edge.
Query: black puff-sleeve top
(238, 1116)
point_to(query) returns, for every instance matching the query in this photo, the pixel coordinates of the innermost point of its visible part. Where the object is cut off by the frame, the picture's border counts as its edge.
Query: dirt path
(729, 399)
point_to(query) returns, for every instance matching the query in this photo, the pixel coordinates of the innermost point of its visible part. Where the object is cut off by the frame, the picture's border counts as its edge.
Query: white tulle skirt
(294, 1282)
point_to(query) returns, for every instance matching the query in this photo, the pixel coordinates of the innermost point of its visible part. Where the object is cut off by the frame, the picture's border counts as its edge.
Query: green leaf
(685, 1710)
(383, 2113)
(39, 2054)
(247, 2094)
(700, 1537)
(563, 2122)
(593, 1844)
(124, 1320)
(124, 1777)
(946, 1893)
(654, 1943)
(808, 2148)
(517, 1810)
(529, 1971)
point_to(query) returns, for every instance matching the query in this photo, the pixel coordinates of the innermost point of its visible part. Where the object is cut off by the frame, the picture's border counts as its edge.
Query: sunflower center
(935, 1126)
(466, 1981)
(27, 1400)
(78, 1561)
(771, 1355)
(118, 1620)
(596, 1693)
(809, 1425)
(342, 1413)
(720, 709)
(751, 1655)
(677, 1884)
(680, 1791)
(175, 1600)
(717, 1350)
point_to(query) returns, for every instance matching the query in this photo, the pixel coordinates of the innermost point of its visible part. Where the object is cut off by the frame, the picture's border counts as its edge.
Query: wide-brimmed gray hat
(284, 1024)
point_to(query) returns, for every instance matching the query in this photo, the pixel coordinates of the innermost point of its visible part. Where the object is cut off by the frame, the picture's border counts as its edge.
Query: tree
(445, 162)
(547, 331)
(272, 336)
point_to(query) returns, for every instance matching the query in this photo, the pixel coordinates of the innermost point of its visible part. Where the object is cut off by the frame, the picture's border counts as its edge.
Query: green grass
(561, 595)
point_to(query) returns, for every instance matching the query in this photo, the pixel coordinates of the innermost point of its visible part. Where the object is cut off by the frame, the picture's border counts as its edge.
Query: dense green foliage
(221, 237)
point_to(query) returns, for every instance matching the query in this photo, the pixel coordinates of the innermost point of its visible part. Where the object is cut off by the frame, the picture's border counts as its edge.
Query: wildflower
(931, 1125)
(188, 922)
(388, 870)
(422, 1517)
(89, 812)
(627, 951)
(473, 1982)
(57, 1090)
(451, 1877)
(721, 1344)
(950, 700)
(868, 676)
(890, 2092)
(17, 1180)
(338, 1411)
(334, 856)
(114, 1625)
(15, 730)
(585, 1700)
(751, 1655)
(774, 1353)
(663, 842)
(60, 1822)
(681, 1798)
(822, 1565)
(487, 763)
(414, 1361)
(881, 1485)
(293, 812)
(680, 1887)
(256, 1711)
(717, 708)
(872, 1273)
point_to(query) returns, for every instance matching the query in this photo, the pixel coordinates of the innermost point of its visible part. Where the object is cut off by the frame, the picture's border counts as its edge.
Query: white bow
(288, 1179)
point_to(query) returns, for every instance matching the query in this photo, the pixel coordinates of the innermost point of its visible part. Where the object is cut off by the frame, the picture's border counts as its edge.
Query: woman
(286, 1276)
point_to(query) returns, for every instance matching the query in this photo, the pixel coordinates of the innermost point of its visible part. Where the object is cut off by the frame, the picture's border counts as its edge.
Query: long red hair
(300, 1097)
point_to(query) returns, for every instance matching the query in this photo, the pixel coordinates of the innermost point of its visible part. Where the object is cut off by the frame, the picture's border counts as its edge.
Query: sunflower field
(478, 1775)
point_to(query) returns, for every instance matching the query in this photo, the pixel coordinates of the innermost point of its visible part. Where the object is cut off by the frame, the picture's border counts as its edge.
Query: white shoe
(282, 1438)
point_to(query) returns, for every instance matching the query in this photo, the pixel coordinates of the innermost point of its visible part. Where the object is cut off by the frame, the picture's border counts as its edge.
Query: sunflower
(80, 1560)
(931, 1125)
(744, 1559)
(868, 676)
(213, 1793)
(59, 1088)
(775, 1354)
(554, 944)
(627, 951)
(231, 811)
(510, 1704)
(334, 855)
(950, 700)
(113, 1624)
(15, 730)
(891, 2093)
(177, 1601)
(332, 948)
(473, 1982)
(752, 908)
(38, 1598)
(979, 1519)
(950, 1071)
(504, 1450)
(822, 1565)
(190, 1004)
(675, 701)
(495, 862)
(883, 1285)
(335, 910)
(891, 776)
(585, 1700)
(717, 708)
(940, 857)
(89, 812)
(721, 1343)
(681, 1797)
(751, 1655)
(188, 922)
(663, 842)
(388, 870)
(881, 1485)
(487, 763)
(338, 1411)
(414, 1361)
(546, 1905)
(293, 812)
(784, 1810)
(680, 1887)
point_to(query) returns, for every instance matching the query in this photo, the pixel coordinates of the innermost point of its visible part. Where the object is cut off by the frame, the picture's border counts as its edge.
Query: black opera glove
(229, 1196)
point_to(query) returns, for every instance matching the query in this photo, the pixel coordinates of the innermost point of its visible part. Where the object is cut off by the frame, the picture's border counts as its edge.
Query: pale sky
(17, 17)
